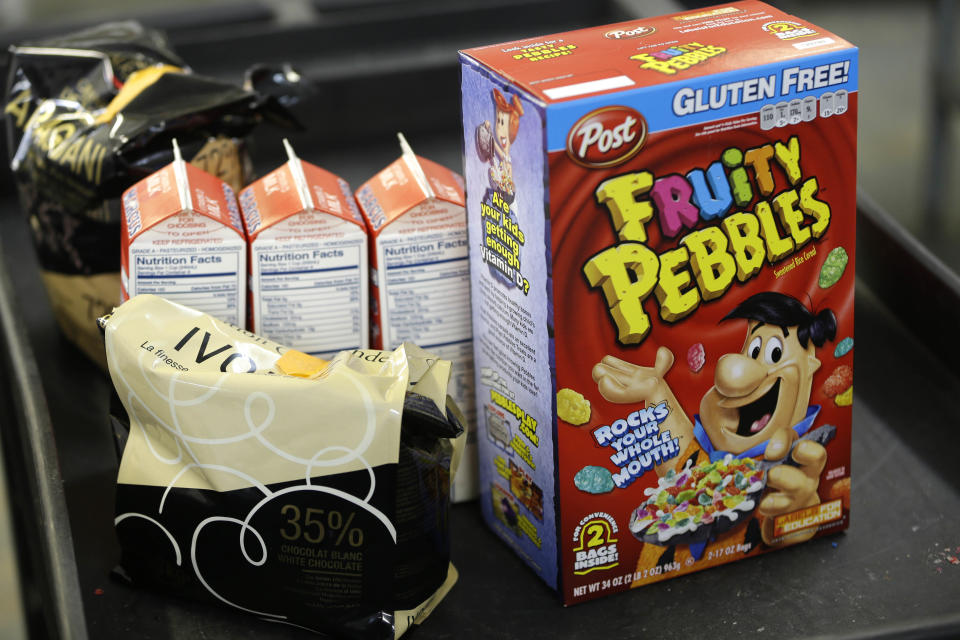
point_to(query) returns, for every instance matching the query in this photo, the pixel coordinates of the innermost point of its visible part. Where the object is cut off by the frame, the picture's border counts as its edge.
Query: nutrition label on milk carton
(424, 298)
(426, 279)
(307, 290)
(204, 278)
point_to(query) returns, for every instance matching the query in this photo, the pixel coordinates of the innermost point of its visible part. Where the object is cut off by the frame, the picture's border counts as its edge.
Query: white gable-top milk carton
(420, 277)
(308, 259)
(182, 238)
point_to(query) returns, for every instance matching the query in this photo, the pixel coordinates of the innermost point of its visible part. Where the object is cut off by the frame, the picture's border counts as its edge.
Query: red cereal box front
(661, 220)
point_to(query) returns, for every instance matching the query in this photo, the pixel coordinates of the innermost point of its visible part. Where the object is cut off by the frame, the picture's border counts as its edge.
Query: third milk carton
(182, 238)
(308, 259)
(421, 280)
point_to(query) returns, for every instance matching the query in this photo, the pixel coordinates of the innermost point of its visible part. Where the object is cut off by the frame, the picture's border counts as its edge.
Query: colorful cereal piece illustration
(572, 407)
(593, 479)
(844, 399)
(833, 267)
(844, 347)
(699, 502)
(838, 381)
(696, 357)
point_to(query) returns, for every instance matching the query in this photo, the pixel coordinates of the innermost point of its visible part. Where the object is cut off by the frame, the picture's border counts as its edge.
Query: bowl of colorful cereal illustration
(700, 502)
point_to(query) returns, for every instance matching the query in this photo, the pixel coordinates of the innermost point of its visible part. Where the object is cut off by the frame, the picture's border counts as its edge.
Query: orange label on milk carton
(308, 260)
(182, 238)
(420, 279)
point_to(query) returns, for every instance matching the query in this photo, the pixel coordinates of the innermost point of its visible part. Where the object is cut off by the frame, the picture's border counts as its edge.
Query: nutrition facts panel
(427, 290)
(311, 296)
(209, 280)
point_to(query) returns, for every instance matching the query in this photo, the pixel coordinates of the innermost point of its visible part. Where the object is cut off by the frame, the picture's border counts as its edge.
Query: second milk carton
(182, 238)
(308, 260)
(421, 280)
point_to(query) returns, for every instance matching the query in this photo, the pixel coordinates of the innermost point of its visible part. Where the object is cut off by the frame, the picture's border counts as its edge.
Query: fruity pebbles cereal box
(661, 224)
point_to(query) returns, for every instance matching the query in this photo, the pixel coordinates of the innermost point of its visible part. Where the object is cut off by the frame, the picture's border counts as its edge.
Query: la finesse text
(704, 262)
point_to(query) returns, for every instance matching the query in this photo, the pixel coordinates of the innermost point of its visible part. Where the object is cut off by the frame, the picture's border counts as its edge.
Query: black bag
(88, 115)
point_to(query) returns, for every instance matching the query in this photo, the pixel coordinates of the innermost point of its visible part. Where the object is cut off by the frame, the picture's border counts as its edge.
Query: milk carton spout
(180, 172)
(410, 158)
(299, 177)
(291, 154)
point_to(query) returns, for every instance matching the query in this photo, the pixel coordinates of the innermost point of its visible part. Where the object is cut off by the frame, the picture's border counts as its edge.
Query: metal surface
(918, 288)
(946, 100)
(47, 563)
(13, 619)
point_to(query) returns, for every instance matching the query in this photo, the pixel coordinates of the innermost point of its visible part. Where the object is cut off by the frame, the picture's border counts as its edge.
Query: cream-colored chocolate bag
(301, 491)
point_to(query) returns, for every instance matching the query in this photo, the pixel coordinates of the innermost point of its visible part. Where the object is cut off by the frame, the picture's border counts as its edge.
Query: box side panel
(504, 167)
(704, 288)
(374, 218)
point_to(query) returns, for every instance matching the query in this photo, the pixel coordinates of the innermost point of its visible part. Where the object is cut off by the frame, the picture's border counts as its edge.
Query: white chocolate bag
(301, 491)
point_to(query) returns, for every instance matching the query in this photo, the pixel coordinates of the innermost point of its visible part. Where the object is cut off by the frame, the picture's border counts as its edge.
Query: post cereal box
(661, 222)
(308, 259)
(181, 237)
(420, 278)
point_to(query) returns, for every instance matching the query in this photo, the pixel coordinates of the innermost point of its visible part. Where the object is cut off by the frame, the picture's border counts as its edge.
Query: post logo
(607, 137)
(625, 34)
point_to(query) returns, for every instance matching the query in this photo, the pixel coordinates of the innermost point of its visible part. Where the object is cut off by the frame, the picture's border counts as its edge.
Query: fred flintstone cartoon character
(758, 406)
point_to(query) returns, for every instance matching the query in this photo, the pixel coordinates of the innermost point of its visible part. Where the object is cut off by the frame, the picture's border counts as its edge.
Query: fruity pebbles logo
(678, 57)
(606, 137)
(788, 29)
(704, 262)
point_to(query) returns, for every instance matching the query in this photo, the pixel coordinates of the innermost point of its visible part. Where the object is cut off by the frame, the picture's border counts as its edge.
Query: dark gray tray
(887, 576)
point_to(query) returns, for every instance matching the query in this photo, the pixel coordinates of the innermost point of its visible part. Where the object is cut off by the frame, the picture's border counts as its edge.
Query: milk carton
(182, 238)
(420, 279)
(308, 259)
